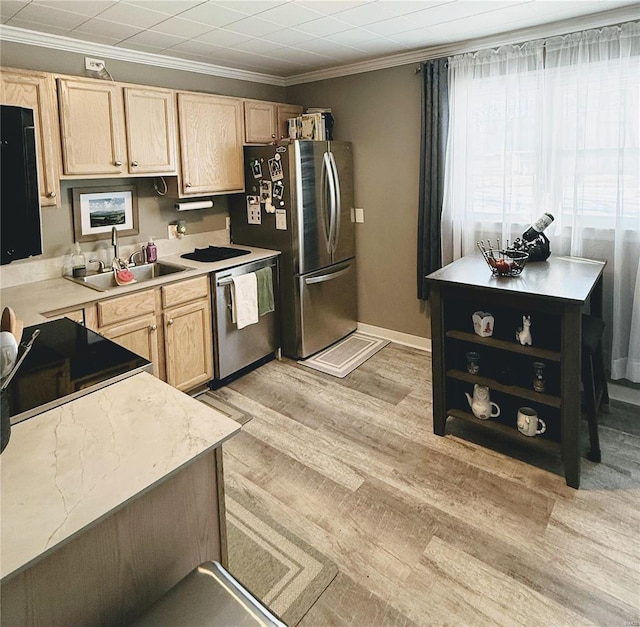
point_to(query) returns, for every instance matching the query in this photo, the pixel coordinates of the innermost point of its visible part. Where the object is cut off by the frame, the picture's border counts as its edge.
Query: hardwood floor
(430, 530)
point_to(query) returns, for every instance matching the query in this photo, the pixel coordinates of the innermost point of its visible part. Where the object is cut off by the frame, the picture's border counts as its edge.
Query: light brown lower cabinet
(188, 345)
(77, 315)
(140, 336)
(169, 325)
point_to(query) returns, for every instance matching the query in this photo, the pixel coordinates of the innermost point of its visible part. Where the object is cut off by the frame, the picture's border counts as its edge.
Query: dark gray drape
(435, 122)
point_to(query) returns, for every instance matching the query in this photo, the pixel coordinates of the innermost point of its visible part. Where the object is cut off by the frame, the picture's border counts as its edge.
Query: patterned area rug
(276, 566)
(345, 356)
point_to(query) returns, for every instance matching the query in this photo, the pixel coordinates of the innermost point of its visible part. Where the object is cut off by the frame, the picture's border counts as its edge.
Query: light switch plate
(172, 230)
(359, 214)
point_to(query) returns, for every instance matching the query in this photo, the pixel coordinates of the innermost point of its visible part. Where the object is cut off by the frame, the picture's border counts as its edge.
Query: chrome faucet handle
(99, 262)
(137, 253)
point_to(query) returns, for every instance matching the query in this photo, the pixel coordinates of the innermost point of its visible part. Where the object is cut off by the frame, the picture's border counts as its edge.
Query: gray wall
(380, 113)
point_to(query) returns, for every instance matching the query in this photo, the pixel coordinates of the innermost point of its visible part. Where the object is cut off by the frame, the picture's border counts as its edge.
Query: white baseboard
(624, 394)
(616, 392)
(415, 341)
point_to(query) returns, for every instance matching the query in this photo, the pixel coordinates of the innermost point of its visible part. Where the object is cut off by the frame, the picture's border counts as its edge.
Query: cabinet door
(283, 113)
(210, 131)
(259, 122)
(36, 91)
(92, 127)
(139, 336)
(77, 315)
(188, 345)
(151, 123)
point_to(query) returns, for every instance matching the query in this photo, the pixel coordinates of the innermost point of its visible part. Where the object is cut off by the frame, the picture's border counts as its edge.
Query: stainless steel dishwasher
(238, 348)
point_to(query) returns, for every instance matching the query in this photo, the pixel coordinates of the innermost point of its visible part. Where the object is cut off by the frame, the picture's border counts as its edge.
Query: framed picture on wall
(96, 210)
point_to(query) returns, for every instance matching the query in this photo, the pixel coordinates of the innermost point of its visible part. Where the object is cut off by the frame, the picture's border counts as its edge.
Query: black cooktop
(215, 253)
(66, 361)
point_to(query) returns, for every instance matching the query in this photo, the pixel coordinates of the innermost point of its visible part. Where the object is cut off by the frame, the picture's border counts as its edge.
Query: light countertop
(34, 302)
(68, 468)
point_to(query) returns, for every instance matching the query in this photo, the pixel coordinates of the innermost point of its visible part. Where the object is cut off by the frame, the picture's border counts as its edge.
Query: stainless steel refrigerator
(299, 200)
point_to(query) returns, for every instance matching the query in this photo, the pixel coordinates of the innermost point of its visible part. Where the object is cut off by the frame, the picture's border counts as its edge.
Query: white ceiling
(287, 38)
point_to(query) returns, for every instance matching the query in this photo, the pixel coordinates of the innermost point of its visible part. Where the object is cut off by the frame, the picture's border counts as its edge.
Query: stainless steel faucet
(114, 242)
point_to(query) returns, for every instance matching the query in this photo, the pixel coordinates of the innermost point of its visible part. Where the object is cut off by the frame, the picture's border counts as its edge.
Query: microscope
(534, 241)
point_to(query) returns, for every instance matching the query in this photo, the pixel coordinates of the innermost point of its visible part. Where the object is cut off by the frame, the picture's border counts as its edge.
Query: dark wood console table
(553, 293)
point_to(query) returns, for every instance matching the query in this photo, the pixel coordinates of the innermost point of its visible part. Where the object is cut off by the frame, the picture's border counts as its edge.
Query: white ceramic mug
(528, 422)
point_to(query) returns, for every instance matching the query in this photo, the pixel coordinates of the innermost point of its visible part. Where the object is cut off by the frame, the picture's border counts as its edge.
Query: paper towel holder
(190, 206)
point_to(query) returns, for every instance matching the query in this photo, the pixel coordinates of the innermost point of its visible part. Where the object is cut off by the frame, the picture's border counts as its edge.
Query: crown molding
(59, 42)
(552, 29)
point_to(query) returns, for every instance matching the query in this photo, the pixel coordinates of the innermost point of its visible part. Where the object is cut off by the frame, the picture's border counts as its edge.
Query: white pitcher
(480, 403)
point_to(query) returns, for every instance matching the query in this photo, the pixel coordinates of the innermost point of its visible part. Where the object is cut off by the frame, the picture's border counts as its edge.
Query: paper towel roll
(188, 206)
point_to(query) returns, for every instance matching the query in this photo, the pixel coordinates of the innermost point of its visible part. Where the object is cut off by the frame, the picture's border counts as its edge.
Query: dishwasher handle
(228, 280)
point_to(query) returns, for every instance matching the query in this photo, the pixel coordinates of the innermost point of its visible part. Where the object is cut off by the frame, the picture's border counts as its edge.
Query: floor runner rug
(346, 355)
(212, 399)
(284, 572)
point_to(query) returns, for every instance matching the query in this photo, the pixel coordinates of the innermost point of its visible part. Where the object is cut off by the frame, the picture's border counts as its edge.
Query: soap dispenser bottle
(151, 252)
(78, 262)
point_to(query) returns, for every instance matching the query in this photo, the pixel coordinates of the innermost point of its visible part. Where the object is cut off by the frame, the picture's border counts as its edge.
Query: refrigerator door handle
(328, 166)
(326, 277)
(337, 204)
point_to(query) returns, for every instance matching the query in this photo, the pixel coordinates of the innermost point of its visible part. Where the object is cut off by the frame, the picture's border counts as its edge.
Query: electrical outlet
(93, 65)
(359, 214)
(173, 231)
(227, 223)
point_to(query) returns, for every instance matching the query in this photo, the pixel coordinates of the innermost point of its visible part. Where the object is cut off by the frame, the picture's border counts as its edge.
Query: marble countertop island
(67, 469)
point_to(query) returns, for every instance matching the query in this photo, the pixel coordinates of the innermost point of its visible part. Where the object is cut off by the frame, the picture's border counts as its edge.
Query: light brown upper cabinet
(37, 91)
(113, 130)
(92, 127)
(265, 122)
(210, 136)
(151, 130)
(283, 113)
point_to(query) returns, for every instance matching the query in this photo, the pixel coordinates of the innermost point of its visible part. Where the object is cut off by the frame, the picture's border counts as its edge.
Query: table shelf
(513, 347)
(511, 433)
(513, 390)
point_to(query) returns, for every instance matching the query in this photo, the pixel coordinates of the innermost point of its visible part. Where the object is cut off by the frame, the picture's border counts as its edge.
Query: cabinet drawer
(185, 291)
(126, 307)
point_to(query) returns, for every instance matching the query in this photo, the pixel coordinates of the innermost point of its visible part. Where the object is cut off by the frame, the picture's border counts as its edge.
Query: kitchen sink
(103, 281)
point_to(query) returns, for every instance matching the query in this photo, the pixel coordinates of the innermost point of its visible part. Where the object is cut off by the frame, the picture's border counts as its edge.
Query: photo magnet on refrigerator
(275, 168)
(256, 169)
(254, 214)
(278, 190)
(281, 220)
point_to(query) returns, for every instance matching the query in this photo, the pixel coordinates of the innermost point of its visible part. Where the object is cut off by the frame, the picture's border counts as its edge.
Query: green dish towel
(265, 291)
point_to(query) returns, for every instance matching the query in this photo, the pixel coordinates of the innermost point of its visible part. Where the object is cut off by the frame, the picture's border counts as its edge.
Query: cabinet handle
(170, 321)
(134, 164)
(153, 327)
(51, 195)
(188, 184)
(118, 163)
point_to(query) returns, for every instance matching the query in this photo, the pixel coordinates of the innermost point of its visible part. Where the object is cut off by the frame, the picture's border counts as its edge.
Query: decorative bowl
(505, 262)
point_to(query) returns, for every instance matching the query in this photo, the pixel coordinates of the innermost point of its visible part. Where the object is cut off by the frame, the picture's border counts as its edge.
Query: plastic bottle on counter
(151, 251)
(78, 262)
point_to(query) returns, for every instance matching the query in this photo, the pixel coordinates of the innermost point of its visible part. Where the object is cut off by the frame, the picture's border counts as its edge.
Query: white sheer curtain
(553, 126)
